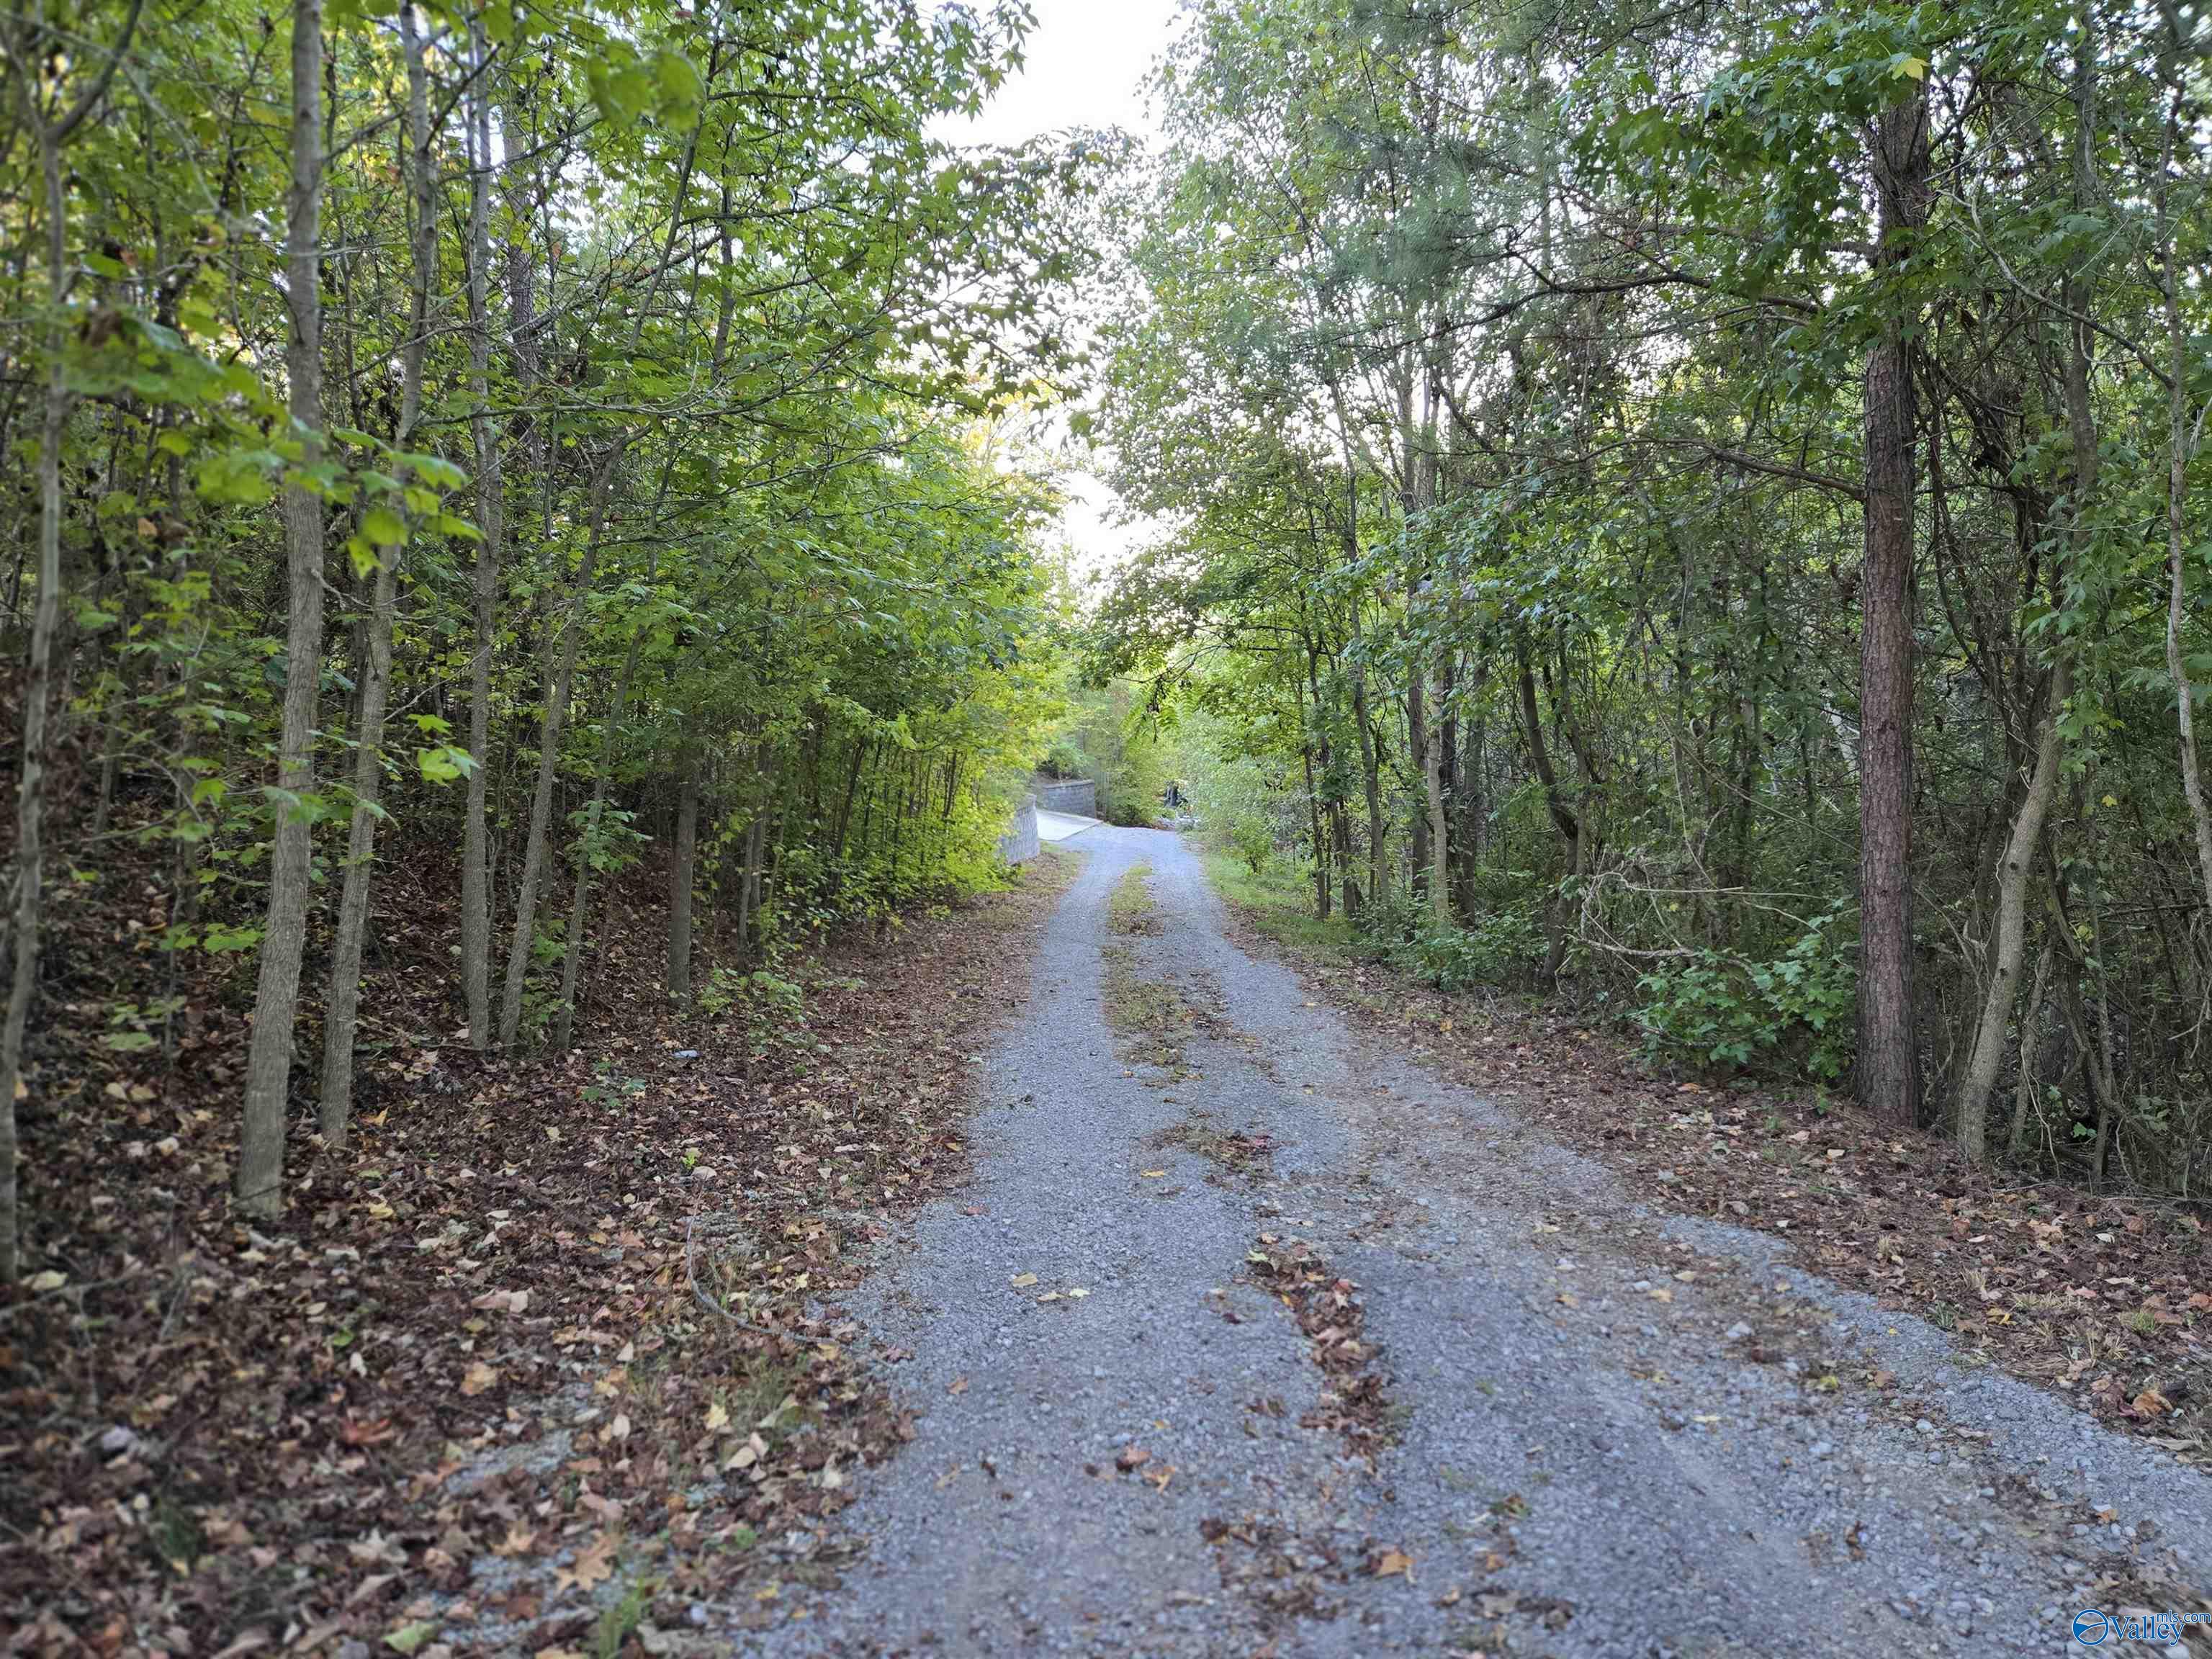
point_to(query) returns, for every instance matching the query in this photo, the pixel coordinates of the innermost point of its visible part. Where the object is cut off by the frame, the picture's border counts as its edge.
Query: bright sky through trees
(1085, 64)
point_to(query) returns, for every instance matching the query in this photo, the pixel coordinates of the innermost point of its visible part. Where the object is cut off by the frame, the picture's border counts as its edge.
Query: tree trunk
(2025, 1087)
(1564, 819)
(1887, 1072)
(680, 879)
(2178, 448)
(51, 138)
(579, 902)
(1418, 752)
(46, 621)
(341, 1009)
(1313, 808)
(749, 882)
(259, 1185)
(1439, 838)
(1987, 1053)
(557, 685)
(491, 520)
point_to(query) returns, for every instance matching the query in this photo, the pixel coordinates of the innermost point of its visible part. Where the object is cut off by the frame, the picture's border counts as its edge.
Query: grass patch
(1130, 910)
(1230, 1152)
(1281, 905)
(1151, 1017)
(618, 1621)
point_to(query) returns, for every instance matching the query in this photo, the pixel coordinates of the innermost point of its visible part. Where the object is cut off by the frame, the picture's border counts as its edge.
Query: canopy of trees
(519, 430)
(1705, 507)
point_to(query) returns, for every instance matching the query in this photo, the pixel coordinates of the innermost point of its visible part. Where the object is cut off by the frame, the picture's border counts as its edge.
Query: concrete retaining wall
(1076, 795)
(1019, 844)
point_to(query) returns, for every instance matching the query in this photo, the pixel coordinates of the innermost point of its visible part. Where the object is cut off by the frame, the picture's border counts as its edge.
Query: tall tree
(258, 1183)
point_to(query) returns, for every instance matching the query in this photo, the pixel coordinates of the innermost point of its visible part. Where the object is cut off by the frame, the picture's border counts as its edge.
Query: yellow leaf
(480, 1378)
(718, 1416)
(1023, 1281)
(1912, 69)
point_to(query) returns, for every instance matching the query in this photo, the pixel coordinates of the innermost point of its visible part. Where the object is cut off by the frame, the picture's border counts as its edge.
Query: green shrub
(1498, 950)
(1794, 1012)
(1250, 841)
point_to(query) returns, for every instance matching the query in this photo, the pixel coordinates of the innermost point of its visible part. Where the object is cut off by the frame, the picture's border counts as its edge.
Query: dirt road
(1248, 1339)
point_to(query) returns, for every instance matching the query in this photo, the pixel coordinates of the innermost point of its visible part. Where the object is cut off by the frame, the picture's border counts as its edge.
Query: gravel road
(1609, 1431)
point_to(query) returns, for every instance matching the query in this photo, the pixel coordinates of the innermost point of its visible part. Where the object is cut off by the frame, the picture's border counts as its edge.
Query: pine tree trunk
(342, 1010)
(1887, 1072)
(258, 1184)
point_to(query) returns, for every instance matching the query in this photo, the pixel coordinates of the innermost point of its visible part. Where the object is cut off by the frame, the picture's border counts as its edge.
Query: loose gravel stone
(1551, 1483)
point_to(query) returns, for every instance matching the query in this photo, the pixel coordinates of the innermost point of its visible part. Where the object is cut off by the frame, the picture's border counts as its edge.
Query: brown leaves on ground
(1329, 1312)
(1231, 1152)
(2102, 1296)
(537, 1308)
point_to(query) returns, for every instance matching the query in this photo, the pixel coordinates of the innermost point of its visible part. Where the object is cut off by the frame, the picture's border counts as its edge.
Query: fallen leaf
(1132, 1457)
(1023, 1281)
(594, 1565)
(480, 1376)
(1388, 1564)
(959, 1386)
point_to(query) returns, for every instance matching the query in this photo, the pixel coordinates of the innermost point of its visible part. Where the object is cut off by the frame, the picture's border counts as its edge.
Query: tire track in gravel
(1606, 1431)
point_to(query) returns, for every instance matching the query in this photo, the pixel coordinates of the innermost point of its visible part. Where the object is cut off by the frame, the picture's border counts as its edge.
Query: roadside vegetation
(1698, 516)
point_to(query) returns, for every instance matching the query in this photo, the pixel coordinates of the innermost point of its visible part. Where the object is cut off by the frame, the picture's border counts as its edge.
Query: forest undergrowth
(577, 1312)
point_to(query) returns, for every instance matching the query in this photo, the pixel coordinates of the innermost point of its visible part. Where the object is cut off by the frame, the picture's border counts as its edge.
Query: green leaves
(445, 763)
(382, 527)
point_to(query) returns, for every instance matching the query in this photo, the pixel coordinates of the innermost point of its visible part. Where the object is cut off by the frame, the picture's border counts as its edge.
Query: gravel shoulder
(1502, 1405)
